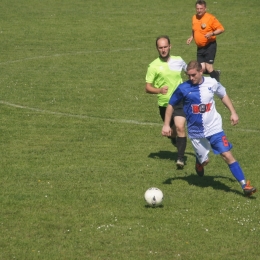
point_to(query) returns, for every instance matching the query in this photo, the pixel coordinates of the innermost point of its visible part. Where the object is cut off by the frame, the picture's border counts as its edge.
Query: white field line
(125, 121)
(85, 116)
(43, 111)
(67, 54)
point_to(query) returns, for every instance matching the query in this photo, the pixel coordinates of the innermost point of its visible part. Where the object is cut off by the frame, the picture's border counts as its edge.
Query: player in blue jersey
(204, 123)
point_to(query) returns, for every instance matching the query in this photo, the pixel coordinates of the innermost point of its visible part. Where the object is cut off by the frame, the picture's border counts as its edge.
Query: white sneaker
(180, 163)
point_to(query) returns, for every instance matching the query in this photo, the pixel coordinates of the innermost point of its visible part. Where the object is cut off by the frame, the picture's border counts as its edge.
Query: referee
(205, 27)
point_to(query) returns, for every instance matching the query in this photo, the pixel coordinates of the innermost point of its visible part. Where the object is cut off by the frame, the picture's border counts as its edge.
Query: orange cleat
(249, 190)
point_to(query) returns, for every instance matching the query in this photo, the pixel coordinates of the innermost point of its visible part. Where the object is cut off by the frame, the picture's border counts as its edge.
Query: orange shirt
(201, 26)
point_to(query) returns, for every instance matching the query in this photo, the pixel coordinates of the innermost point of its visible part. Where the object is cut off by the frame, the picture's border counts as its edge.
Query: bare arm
(214, 33)
(228, 103)
(218, 31)
(190, 38)
(166, 130)
(149, 88)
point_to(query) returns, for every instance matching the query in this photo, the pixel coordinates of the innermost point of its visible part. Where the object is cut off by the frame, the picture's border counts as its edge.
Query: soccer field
(81, 140)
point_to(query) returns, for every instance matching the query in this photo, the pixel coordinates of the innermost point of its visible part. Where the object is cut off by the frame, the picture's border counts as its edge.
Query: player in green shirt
(162, 78)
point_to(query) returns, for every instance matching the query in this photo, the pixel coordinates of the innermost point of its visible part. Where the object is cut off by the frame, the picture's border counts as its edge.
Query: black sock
(181, 146)
(214, 74)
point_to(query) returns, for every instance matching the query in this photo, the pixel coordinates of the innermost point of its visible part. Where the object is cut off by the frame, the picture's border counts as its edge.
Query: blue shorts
(217, 142)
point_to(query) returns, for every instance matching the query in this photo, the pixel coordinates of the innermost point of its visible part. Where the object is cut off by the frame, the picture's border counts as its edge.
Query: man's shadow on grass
(168, 155)
(194, 179)
(206, 181)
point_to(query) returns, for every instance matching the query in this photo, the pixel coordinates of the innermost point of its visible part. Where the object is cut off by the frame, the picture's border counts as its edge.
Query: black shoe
(199, 168)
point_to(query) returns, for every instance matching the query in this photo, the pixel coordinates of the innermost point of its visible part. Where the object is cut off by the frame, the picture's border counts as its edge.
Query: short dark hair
(201, 2)
(194, 65)
(162, 37)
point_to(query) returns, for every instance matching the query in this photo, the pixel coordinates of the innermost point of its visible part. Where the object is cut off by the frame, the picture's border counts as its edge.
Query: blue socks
(237, 173)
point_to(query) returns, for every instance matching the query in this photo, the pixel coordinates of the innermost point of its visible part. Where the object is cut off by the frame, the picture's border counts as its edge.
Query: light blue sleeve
(220, 90)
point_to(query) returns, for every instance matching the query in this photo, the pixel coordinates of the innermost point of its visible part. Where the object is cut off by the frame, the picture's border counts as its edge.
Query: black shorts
(178, 111)
(207, 53)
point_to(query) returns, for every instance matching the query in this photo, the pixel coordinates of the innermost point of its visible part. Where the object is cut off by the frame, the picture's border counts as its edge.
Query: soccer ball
(153, 196)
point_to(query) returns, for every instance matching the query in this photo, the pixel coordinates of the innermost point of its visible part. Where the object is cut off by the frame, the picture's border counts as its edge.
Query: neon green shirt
(161, 73)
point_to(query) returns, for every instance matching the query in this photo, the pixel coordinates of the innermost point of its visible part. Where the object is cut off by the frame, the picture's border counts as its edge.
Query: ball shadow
(154, 207)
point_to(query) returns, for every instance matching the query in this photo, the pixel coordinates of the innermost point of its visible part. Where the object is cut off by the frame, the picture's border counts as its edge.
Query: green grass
(80, 138)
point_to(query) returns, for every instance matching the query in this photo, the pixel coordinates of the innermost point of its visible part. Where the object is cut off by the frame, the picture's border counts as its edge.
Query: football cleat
(180, 163)
(199, 168)
(249, 190)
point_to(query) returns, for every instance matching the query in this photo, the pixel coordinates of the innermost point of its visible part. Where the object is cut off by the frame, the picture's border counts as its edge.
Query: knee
(228, 157)
(180, 128)
(181, 131)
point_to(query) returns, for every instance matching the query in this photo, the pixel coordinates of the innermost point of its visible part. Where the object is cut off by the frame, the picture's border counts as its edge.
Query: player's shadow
(167, 155)
(206, 181)
(194, 179)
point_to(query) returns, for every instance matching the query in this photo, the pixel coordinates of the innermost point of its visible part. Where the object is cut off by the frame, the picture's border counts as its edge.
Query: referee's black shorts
(207, 53)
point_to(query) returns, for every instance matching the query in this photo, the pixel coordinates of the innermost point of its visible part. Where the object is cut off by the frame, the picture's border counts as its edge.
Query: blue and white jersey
(203, 120)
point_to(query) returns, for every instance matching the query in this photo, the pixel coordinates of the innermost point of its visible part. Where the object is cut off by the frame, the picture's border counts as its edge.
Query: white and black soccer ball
(153, 196)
